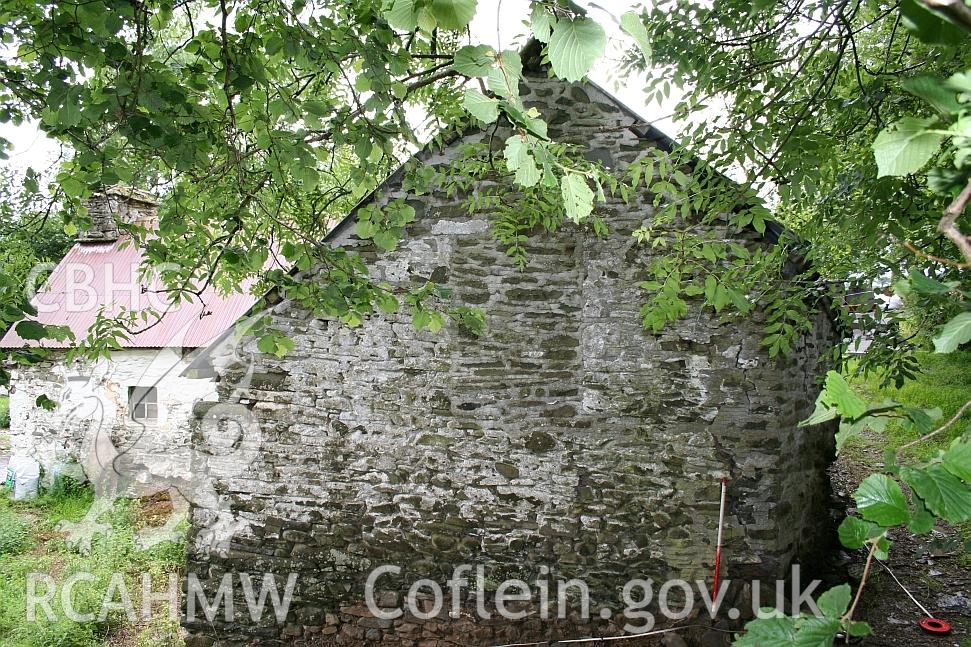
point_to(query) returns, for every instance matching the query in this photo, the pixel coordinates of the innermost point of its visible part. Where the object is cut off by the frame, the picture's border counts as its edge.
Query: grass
(30, 542)
(945, 383)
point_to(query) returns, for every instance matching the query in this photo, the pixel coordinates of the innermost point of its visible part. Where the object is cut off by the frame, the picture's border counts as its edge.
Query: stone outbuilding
(566, 438)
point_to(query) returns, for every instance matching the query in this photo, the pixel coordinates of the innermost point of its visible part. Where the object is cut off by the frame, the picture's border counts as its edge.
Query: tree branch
(955, 418)
(866, 573)
(956, 10)
(948, 224)
(943, 261)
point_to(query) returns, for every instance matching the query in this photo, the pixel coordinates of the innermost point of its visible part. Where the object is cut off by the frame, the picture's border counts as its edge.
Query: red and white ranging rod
(718, 545)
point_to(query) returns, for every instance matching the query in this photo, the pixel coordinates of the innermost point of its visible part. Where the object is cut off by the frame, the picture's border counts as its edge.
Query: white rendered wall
(92, 404)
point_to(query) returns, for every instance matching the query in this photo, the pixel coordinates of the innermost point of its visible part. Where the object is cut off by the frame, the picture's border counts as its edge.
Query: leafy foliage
(806, 629)
(941, 485)
(14, 534)
(575, 44)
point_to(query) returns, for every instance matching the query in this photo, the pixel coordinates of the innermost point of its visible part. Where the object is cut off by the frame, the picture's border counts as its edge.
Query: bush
(4, 412)
(14, 534)
(66, 487)
(65, 500)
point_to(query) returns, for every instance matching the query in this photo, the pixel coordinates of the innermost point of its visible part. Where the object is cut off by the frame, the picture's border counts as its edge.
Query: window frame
(143, 400)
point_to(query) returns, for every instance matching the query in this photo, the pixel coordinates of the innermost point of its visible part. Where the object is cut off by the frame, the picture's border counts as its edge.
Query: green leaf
(906, 146)
(846, 431)
(942, 492)
(503, 78)
(955, 332)
(70, 114)
(880, 500)
(420, 318)
(834, 602)
(882, 551)
(934, 91)
(31, 330)
(541, 22)
(475, 61)
(960, 81)
(283, 345)
(435, 322)
(472, 320)
(840, 394)
(401, 15)
(527, 174)
(519, 160)
(515, 152)
(387, 302)
(930, 26)
(926, 285)
(957, 460)
(768, 632)
(71, 186)
(575, 46)
(483, 108)
(816, 632)
(856, 628)
(577, 197)
(318, 108)
(825, 409)
(365, 228)
(45, 402)
(921, 521)
(722, 297)
(854, 532)
(386, 240)
(453, 14)
(266, 344)
(631, 23)
(920, 420)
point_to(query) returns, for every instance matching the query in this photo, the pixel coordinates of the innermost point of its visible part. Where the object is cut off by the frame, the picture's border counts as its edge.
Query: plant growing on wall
(264, 125)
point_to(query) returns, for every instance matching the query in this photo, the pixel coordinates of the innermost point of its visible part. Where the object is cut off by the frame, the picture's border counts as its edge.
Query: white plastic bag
(26, 477)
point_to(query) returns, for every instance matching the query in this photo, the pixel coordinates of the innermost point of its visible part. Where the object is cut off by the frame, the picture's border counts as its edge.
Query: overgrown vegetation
(4, 416)
(29, 235)
(31, 543)
(943, 384)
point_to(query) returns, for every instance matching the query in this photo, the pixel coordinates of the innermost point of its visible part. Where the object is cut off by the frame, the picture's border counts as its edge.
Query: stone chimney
(118, 205)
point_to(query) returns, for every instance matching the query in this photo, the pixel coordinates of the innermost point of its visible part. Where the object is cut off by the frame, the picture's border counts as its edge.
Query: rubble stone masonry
(566, 436)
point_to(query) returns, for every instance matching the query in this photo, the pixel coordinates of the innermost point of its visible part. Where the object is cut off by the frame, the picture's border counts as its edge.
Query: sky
(501, 23)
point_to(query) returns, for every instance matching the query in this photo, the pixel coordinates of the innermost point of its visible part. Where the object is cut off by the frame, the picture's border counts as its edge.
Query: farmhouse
(140, 400)
(565, 438)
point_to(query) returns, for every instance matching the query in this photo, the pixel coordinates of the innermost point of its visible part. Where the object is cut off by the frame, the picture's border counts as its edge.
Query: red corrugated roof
(106, 273)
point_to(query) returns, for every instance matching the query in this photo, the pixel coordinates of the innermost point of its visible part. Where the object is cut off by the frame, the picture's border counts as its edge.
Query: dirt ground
(935, 568)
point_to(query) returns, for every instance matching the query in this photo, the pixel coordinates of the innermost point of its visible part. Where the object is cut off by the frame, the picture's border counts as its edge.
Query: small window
(143, 402)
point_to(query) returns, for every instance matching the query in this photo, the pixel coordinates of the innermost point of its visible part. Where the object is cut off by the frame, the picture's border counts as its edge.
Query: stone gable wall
(566, 436)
